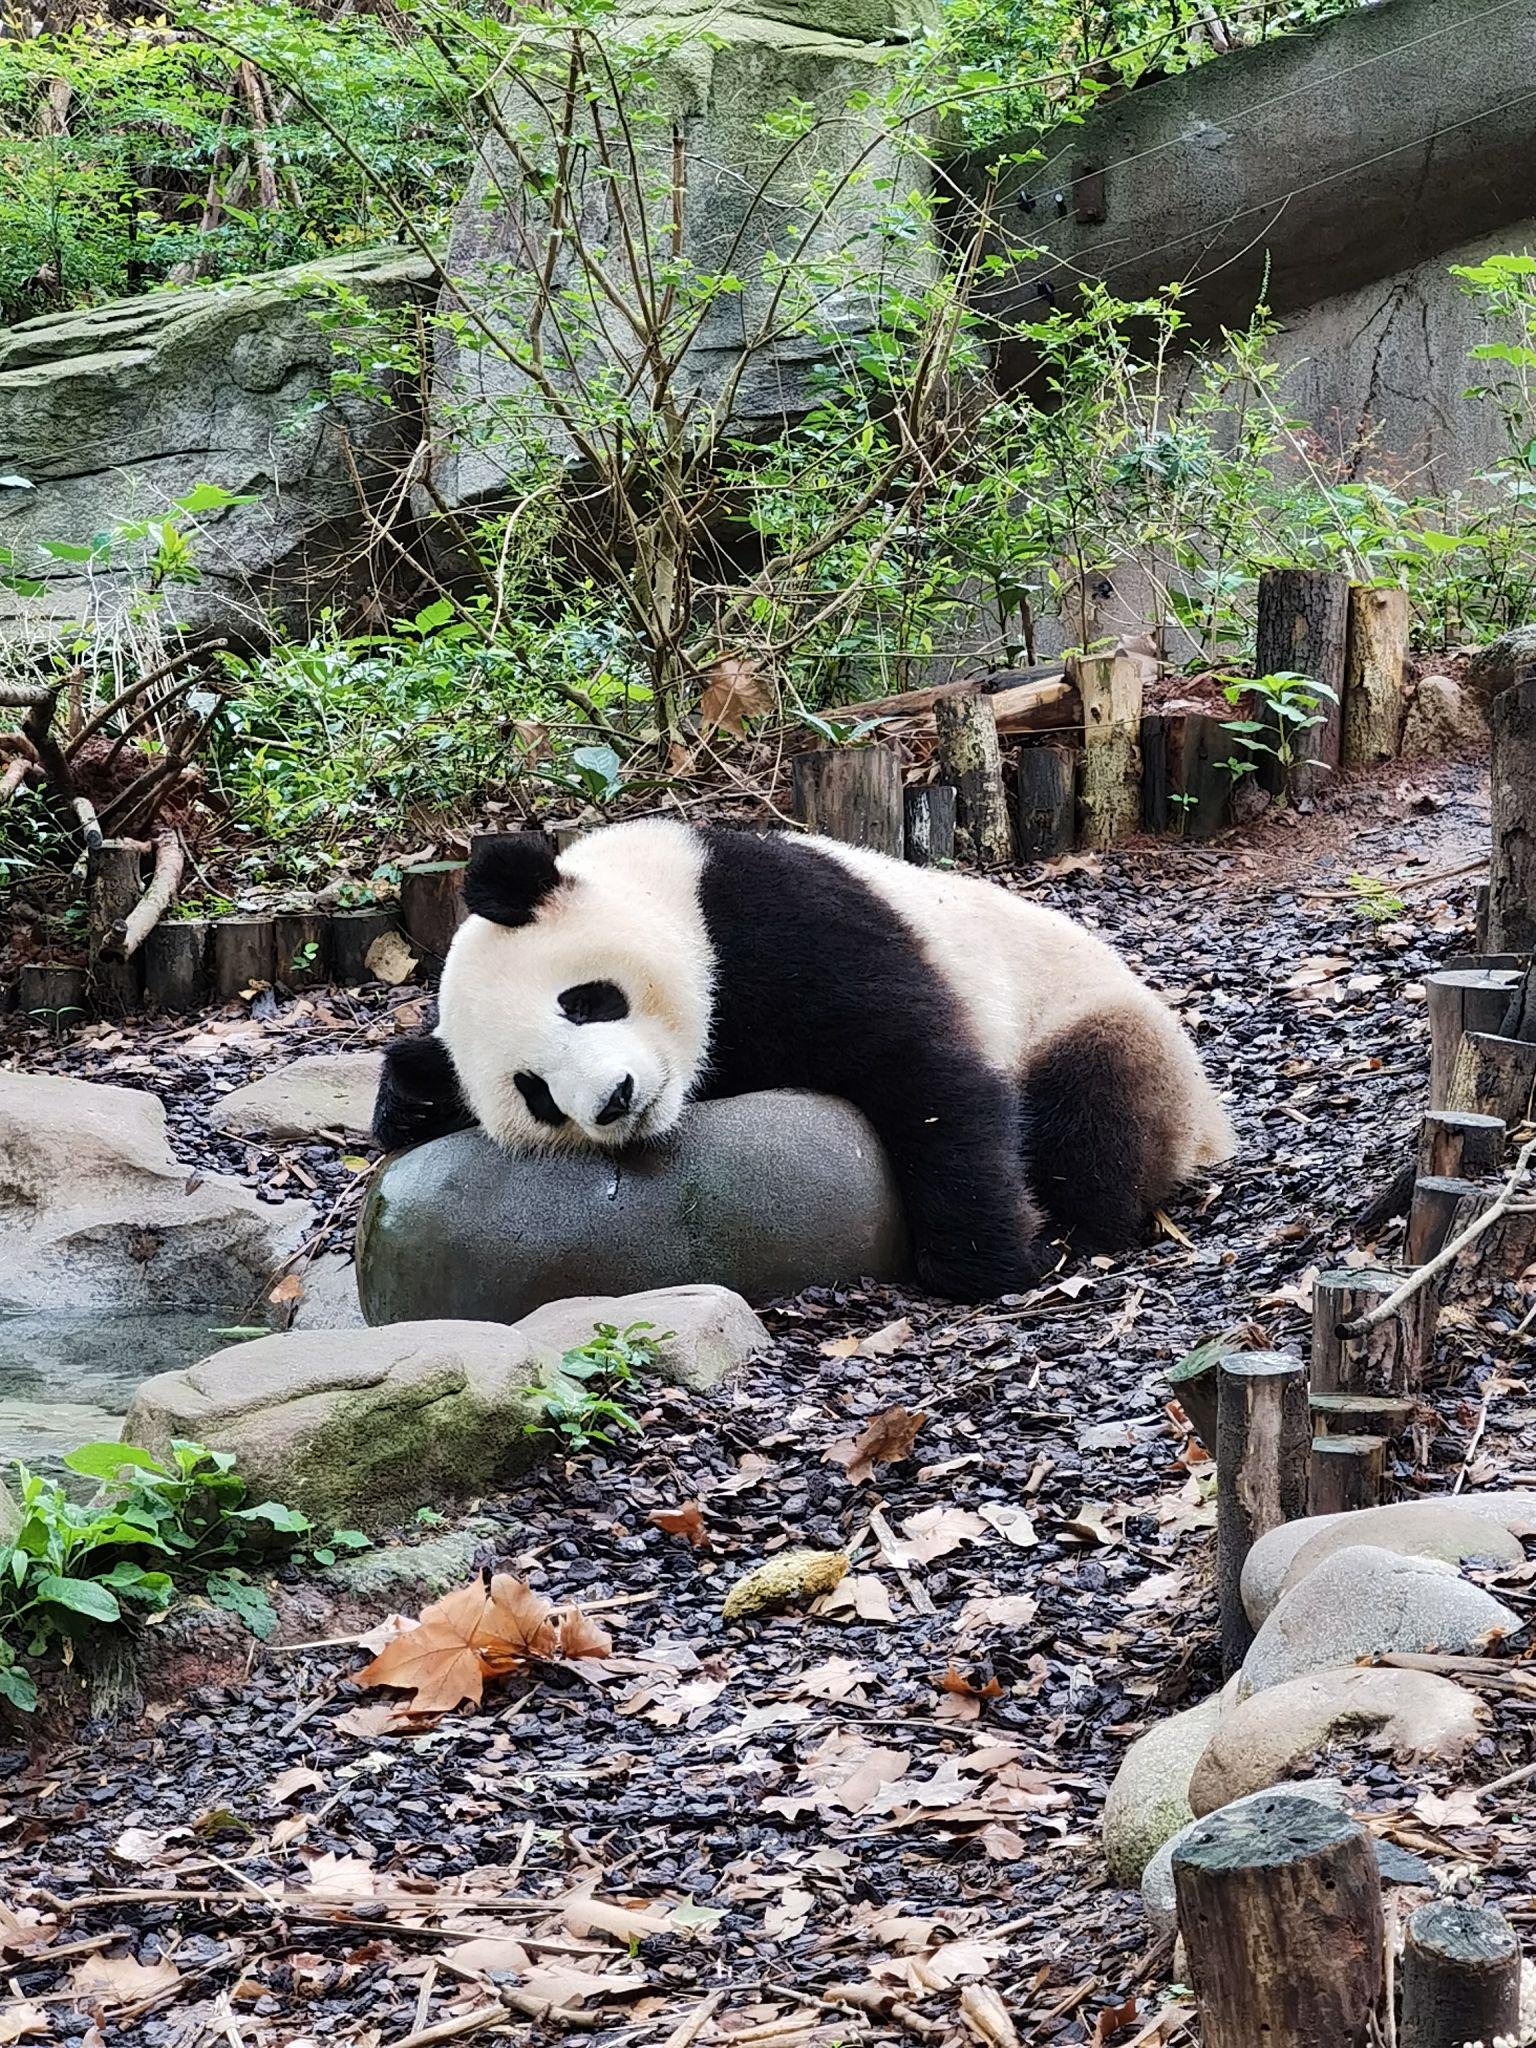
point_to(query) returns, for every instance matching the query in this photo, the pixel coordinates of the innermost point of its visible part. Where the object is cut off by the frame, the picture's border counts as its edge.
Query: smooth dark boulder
(765, 1194)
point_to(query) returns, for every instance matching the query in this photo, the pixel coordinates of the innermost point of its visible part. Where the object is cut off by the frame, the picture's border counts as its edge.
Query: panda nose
(618, 1102)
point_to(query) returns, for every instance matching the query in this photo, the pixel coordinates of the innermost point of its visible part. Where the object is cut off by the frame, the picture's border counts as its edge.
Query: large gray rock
(1502, 664)
(1412, 1528)
(1291, 1727)
(1149, 1799)
(1417, 1528)
(764, 1194)
(1362, 1602)
(95, 1213)
(329, 1091)
(111, 413)
(1158, 1897)
(1443, 722)
(365, 1425)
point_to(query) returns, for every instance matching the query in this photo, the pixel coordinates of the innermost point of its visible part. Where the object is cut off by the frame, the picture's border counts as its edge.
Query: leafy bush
(583, 1408)
(153, 1531)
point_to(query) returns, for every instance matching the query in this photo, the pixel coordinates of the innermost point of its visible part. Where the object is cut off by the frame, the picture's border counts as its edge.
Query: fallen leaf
(18, 2018)
(1457, 1809)
(787, 1916)
(843, 1773)
(1013, 1523)
(580, 1636)
(737, 690)
(119, 1978)
(141, 1847)
(986, 2016)
(289, 1288)
(390, 959)
(366, 1722)
(885, 1439)
(341, 1877)
(688, 1520)
(935, 1532)
(889, 1338)
(956, 1682)
(1091, 1524)
(477, 1632)
(562, 1987)
(288, 1784)
(998, 1610)
(1001, 1843)
(1110, 2020)
(489, 1955)
(860, 1593)
(839, 1678)
(584, 1913)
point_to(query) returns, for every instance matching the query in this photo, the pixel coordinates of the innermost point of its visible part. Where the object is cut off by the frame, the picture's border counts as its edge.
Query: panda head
(567, 1002)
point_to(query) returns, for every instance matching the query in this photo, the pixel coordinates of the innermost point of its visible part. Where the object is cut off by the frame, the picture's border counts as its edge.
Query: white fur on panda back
(1026, 975)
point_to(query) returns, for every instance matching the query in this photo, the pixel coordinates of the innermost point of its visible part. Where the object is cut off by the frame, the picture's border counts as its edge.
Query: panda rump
(1009, 1061)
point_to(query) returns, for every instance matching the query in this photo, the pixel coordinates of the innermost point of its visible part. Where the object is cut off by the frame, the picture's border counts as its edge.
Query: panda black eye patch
(542, 1106)
(594, 1002)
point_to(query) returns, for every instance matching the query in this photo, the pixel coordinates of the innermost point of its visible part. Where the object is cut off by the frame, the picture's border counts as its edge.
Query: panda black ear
(509, 877)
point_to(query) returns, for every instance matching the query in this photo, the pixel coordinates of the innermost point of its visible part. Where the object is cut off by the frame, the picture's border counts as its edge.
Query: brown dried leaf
(479, 1632)
(289, 1288)
(937, 1531)
(861, 1593)
(489, 1955)
(998, 1610)
(584, 1914)
(288, 1784)
(956, 1682)
(885, 1439)
(18, 2018)
(580, 1636)
(119, 1978)
(736, 691)
(688, 1520)
(390, 959)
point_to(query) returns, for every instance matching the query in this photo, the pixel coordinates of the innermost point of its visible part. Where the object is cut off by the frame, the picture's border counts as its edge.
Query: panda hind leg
(1098, 1138)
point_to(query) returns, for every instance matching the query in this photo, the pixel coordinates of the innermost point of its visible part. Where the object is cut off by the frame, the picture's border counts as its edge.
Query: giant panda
(1008, 1060)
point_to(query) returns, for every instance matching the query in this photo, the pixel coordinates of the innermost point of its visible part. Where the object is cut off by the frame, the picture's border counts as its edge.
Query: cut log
(1384, 1415)
(1303, 628)
(240, 954)
(1494, 1076)
(1023, 700)
(1348, 1472)
(1110, 686)
(113, 884)
(52, 996)
(1263, 1440)
(1461, 1000)
(176, 965)
(1186, 788)
(352, 933)
(1375, 666)
(969, 757)
(1045, 791)
(432, 908)
(1431, 1219)
(1389, 1359)
(1519, 1020)
(930, 825)
(1279, 1904)
(1480, 916)
(1196, 1385)
(1512, 875)
(1455, 1142)
(1461, 1977)
(301, 948)
(852, 794)
(1497, 1258)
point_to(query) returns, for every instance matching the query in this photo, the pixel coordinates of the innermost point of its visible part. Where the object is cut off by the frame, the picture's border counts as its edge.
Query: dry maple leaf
(956, 1682)
(736, 691)
(580, 1636)
(885, 1439)
(18, 2019)
(688, 1520)
(119, 1978)
(479, 1631)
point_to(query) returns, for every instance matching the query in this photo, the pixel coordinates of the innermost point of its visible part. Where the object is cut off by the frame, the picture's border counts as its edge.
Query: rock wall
(109, 414)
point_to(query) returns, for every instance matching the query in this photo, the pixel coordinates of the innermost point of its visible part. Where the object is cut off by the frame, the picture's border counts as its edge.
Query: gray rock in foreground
(764, 1194)
(1149, 1799)
(96, 1213)
(329, 1091)
(358, 1425)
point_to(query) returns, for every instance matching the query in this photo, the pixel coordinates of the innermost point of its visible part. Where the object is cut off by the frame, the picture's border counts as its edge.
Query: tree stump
(1389, 1359)
(1437, 1201)
(930, 825)
(852, 794)
(1496, 1257)
(52, 996)
(1196, 1384)
(1461, 1977)
(1462, 1000)
(352, 933)
(1512, 875)
(432, 908)
(1263, 1441)
(1110, 687)
(1455, 1142)
(1186, 788)
(113, 885)
(1045, 792)
(1279, 1904)
(301, 948)
(968, 756)
(1375, 665)
(176, 965)
(1494, 1076)
(1347, 1472)
(1519, 1020)
(240, 954)
(1303, 629)
(1385, 1415)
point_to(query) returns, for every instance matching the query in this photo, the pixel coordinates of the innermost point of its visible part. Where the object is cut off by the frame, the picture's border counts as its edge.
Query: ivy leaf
(80, 1596)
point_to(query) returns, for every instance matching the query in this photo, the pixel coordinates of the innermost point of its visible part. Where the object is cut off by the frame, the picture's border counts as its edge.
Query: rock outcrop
(329, 1091)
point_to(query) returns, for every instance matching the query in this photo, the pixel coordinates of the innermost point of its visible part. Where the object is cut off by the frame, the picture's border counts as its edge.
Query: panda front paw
(983, 1272)
(419, 1097)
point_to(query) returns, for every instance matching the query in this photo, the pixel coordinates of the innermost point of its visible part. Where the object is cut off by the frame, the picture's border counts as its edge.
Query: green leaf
(80, 1596)
(351, 1539)
(433, 616)
(247, 1602)
(105, 1461)
(19, 1689)
(211, 498)
(286, 1519)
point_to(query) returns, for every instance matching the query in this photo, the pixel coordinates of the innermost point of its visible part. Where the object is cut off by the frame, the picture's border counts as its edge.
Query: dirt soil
(875, 1821)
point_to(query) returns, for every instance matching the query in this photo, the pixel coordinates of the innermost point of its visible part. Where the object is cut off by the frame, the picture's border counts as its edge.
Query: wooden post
(969, 756)
(1464, 999)
(1496, 1258)
(1386, 1415)
(1461, 1977)
(1196, 1385)
(1045, 790)
(432, 908)
(51, 995)
(1494, 1077)
(1263, 1437)
(852, 794)
(1279, 1904)
(1375, 663)
(241, 952)
(930, 825)
(113, 886)
(1512, 876)
(1303, 628)
(1437, 1199)
(301, 948)
(1389, 1359)
(1455, 1142)
(1519, 1020)
(1110, 686)
(352, 933)
(1480, 917)
(1348, 1472)
(1185, 787)
(176, 965)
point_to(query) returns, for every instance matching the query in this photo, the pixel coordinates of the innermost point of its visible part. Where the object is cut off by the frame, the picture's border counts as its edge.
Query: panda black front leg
(419, 1096)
